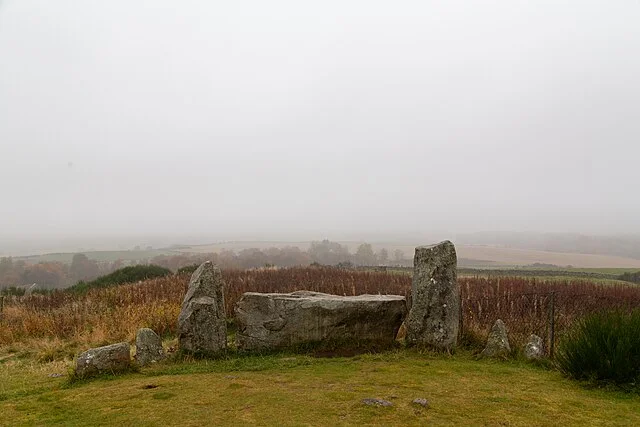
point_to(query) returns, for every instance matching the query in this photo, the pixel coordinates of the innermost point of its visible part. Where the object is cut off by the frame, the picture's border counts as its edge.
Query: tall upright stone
(202, 324)
(434, 317)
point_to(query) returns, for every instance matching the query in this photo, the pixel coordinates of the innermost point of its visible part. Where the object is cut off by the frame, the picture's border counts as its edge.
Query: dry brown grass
(99, 317)
(114, 314)
(59, 323)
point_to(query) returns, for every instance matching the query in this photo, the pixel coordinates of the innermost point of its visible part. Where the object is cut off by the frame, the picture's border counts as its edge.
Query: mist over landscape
(127, 122)
(319, 213)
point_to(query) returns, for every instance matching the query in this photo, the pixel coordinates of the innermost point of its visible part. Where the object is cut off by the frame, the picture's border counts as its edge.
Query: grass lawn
(300, 390)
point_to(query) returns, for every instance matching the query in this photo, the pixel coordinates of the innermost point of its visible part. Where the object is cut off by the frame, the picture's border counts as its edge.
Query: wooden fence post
(461, 320)
(552, 324)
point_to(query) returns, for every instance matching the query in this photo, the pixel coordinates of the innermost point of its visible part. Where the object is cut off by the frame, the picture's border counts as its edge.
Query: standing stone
(148, 347)
(498, 342)
(202, 324)
(435, 310)
(533, 349)
(108, 359)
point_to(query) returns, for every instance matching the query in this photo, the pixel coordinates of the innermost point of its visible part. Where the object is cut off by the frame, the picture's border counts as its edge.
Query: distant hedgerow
(603, 347)
(630, 277)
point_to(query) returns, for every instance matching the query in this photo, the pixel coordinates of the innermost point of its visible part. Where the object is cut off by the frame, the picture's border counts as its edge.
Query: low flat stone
(533, 349)
(148, 347)
(108, 359)
(376, 402)
(269, 321)
(421, 401)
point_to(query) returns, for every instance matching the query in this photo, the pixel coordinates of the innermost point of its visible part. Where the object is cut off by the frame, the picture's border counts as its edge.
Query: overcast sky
(318, 119)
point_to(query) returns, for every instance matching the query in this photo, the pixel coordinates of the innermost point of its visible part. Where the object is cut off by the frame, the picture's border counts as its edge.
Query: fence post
(461, 321)
(552, 324)
(1, 306)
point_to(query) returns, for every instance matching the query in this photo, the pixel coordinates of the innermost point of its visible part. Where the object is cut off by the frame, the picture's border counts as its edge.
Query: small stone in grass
(376, 402)
(421, 401)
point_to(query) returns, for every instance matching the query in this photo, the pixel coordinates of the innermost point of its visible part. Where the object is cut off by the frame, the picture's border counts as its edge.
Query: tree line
(52, 275)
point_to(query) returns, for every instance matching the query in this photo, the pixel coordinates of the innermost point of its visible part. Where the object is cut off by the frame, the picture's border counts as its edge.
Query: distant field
(546, 275)
(101, 256)
(520, 257)
(471, 256)
(479, 256)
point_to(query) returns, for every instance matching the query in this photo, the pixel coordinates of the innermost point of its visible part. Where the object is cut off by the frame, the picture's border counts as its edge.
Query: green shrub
(189, 269)
(12, 290)
(124, 275)
(603, 348)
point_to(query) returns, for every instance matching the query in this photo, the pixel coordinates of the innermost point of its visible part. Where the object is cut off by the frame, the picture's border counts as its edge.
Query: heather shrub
(603, 347)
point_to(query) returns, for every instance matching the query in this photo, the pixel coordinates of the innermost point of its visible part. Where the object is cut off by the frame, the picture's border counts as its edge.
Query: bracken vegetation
(106, 315)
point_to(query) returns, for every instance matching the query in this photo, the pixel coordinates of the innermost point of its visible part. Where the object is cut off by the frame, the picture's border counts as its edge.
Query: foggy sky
(316, 119)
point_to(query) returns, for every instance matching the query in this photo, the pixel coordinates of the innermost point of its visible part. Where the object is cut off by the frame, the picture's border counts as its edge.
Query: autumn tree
(328, 253)
(45, 274)
(383, 256)
(364, 255)
(398, 256)
(82, 268)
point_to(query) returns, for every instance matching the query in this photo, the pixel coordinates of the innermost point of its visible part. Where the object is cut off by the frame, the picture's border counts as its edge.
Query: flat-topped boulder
(108, 359)
(270, 321)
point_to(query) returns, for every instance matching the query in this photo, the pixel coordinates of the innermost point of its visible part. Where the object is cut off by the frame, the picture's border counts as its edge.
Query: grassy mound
(124, 275)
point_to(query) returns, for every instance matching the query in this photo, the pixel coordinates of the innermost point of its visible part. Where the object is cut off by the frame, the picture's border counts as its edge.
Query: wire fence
(550, 315)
